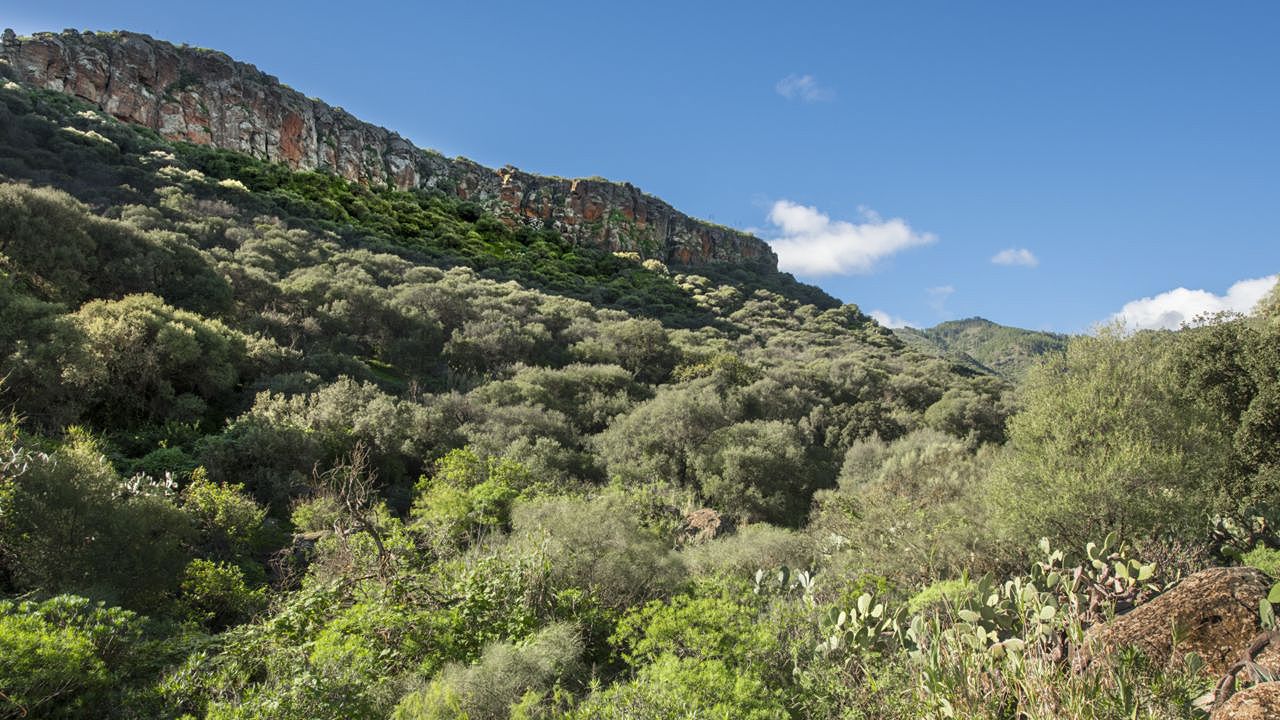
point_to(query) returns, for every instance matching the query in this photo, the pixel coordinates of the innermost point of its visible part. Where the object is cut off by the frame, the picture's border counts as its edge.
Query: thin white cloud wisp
(1021, 257)
(804, 88)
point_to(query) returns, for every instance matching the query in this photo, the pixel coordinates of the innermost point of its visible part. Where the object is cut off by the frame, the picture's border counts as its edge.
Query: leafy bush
(685, 687)
(910, 510)
(752, 547)
(1107, 442)
(215, 594)
(696, 627)
(502, 677)
(65, 657)
(598, 545)
(762, 470)
(1265, 559)
(467, 496)
(76, 526)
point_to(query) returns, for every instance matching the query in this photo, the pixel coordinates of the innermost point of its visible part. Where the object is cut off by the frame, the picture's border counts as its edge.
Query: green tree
(761, 470)
(1107, 442)
(144, 361)
(77, 526)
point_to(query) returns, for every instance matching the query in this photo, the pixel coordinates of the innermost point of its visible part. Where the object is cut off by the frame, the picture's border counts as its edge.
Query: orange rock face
(205, 97)
(291, 139)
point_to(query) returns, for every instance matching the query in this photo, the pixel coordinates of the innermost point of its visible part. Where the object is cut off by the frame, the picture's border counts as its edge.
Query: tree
(1107, 442)
(144, 361)
(761, 470)
(640, 345)
(76, 526)
(658, 439)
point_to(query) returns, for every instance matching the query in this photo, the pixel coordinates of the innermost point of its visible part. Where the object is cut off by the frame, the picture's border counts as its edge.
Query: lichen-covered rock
(1213, 613)
(704, 525)
(1260, 702)
(205, 97)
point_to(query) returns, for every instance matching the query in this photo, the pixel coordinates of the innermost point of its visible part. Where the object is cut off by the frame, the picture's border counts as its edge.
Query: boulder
(1213, 613)
(703, 525)
(1260, 702)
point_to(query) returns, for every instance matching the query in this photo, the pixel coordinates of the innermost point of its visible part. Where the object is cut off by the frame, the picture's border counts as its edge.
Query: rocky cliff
(205, 97)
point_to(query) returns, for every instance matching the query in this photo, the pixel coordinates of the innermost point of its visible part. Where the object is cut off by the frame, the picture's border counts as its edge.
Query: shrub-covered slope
(984, 345)
(279, 445)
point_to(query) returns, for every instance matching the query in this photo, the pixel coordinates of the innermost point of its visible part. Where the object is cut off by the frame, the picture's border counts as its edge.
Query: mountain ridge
(205, 97)
(984, 345)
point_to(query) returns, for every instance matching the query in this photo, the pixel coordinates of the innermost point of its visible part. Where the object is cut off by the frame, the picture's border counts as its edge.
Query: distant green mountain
(981, 344)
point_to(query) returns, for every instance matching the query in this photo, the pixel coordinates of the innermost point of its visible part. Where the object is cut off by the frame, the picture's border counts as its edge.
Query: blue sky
(1118, 151)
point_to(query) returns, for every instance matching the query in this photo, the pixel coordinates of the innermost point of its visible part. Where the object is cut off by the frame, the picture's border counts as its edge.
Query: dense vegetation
(982, 344)
(281, 446)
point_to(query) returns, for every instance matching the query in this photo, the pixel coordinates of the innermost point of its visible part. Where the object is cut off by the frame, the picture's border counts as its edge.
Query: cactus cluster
(786, 581)
(867, 627)
(1233, 537)
(986, 638)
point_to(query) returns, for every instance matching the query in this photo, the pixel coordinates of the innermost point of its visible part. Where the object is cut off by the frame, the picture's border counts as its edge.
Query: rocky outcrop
(1260, 702)
(704, 525)
(1213, 613)
(205, 97)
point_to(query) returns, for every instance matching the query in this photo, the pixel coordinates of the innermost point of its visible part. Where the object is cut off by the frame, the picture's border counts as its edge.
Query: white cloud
(938, 297)
(1169, 310)
(814, 244)
(804, 88)
(1015, 256)
(890, 321)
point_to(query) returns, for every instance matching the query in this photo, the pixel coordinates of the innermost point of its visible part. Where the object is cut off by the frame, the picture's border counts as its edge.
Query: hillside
(205, 98)
(984, 345)
(282, 439)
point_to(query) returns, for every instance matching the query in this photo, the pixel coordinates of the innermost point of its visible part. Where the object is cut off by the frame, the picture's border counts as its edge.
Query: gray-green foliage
(503, 676)
(141, 360)
(54, 245)
(911, 510)
(758, 545)
(1107, 441)
(761, 470)
(599, 545)
(72, 524)
(658, 440)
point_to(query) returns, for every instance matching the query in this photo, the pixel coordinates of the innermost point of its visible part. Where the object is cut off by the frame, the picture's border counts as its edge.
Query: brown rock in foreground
(1260, 702)
(207, 98)
(1214, 613)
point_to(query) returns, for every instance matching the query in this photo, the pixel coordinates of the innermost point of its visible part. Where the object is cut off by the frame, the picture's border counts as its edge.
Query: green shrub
(1107, 442)
(76, 526)
(696, 627)
(754, 546)
(598, 545)
(940, 595)
(215, 594)
(1265, 559)
(65, 657)
(467, 496)
(674, 687)
(230, 523)
(911, 510)
(503, 676)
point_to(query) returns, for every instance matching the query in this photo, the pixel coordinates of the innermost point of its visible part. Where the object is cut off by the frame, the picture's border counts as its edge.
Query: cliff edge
(205, 97)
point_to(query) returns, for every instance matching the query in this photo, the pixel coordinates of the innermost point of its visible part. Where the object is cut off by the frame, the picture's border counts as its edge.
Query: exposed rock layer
(205, 97)
(1213, 613)
(1260, 702)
